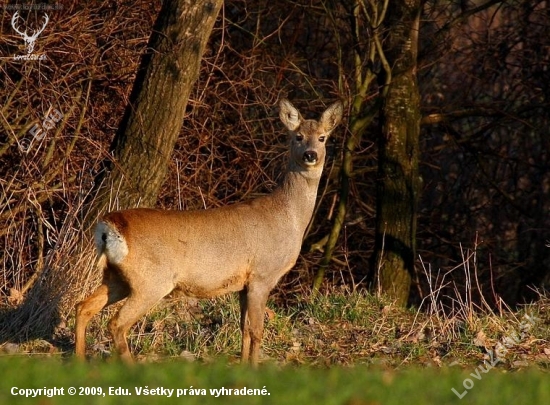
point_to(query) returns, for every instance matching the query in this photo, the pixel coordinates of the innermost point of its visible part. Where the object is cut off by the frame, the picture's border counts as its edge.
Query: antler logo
(29, 39)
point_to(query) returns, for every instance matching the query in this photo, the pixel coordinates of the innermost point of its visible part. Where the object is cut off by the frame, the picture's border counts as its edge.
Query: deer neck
(297, 194)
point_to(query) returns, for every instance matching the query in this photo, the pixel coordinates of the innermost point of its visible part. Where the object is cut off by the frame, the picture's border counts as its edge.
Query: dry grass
(340, 328)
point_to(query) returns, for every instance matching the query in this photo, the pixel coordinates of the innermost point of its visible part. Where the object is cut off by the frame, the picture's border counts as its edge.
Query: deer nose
(310, 157)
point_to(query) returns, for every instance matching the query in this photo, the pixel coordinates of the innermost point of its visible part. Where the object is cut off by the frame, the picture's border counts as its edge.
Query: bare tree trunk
(398, 179)
(154, 116)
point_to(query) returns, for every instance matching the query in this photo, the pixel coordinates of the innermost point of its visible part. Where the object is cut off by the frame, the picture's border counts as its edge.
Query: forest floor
(341, 328)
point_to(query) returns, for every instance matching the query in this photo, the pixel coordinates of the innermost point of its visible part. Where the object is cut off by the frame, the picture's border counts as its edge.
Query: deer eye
(322, 138)
(299, 137)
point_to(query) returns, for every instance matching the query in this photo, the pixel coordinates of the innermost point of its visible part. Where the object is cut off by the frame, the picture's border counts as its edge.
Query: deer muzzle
(310, 157)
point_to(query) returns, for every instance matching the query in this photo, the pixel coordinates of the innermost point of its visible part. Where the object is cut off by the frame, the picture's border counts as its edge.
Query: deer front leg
(245, 332)
(256, 301)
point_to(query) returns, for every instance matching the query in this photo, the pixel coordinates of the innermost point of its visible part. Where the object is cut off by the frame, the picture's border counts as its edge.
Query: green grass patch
(101, 382)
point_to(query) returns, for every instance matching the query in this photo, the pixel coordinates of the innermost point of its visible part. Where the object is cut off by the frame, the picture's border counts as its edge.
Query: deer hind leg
(112, 290)
(256, 301)
(137, 305)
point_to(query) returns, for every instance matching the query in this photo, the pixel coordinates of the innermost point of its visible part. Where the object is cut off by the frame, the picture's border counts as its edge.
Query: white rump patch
(110, 242)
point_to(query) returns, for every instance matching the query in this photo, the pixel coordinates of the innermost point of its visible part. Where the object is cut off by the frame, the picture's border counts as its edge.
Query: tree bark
(153, 118)
(398, 183)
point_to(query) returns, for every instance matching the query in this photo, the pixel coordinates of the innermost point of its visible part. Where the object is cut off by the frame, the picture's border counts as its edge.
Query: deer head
(29, 40)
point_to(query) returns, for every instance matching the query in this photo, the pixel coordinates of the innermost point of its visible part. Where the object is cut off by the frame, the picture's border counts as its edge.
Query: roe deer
(245, 247)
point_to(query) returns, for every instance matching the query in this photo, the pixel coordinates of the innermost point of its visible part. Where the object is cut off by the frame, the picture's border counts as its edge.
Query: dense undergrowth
(341, 328)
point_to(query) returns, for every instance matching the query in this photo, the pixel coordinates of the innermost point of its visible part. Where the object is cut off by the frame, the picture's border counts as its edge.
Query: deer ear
(332, 116)
(289, 115)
